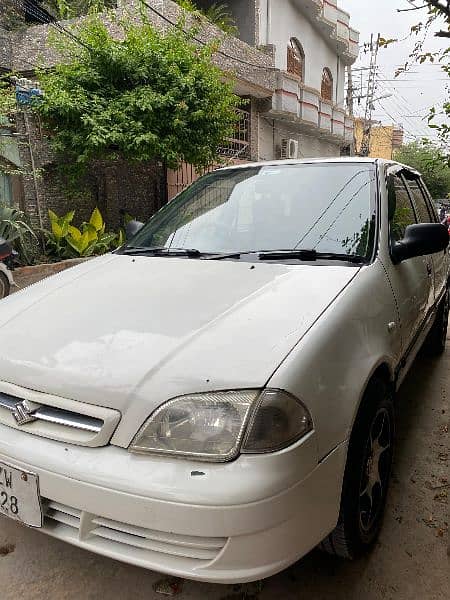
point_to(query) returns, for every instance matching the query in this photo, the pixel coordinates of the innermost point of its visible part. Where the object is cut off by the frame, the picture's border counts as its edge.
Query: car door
(412, 279)
(424, 207)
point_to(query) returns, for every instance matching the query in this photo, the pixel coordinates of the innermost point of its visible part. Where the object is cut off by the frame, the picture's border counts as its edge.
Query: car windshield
(326, 207)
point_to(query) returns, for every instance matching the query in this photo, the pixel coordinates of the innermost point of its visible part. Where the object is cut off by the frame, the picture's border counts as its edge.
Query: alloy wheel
(376, 470)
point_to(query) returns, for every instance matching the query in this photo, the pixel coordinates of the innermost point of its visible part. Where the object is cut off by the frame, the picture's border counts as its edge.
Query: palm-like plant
(15, 230)
(218, 13)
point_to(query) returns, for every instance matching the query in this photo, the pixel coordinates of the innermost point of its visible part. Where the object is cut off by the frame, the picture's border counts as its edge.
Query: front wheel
(4, 286)
(366, 477)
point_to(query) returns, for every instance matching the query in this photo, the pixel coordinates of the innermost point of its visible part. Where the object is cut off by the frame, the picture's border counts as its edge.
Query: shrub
(149, 95)
(15, 229)
(64, 240)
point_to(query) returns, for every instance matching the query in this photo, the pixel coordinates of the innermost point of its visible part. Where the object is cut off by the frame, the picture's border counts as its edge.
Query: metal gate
(235, 151)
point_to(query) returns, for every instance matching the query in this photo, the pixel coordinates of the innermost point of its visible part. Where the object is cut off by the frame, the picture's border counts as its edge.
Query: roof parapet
(334, 24)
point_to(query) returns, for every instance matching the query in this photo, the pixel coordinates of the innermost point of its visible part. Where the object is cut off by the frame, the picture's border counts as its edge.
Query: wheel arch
(383, 371)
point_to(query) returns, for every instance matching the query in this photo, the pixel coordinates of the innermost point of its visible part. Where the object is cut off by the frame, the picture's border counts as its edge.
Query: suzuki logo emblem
(23, 413)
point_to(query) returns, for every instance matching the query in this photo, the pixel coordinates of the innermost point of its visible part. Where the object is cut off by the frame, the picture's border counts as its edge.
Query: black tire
(363, 497)
(4, 286)
(434, 344)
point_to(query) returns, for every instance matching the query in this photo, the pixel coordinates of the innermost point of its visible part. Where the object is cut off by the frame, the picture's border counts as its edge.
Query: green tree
(432, 164)
(66, 9)
(141, 95)
(437, 19)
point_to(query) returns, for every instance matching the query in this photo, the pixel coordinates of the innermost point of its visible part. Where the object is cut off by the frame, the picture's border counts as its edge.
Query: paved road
(409, 563)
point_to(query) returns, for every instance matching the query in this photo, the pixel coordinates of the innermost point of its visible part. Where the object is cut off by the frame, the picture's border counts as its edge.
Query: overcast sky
(413, 92)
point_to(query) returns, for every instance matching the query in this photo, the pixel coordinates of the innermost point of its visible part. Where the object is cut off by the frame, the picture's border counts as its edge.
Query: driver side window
(404, 214)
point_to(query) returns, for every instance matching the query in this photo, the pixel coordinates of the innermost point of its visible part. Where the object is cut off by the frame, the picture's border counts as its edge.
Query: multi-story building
(289, 59)
(313, 47)
(384, 139)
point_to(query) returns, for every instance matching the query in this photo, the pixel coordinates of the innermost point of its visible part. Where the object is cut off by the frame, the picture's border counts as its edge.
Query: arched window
(327, 85)
(296, 59)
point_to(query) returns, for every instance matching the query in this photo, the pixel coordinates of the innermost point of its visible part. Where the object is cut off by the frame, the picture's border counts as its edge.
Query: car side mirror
(132, 228)
(421, 240)
(5, 248)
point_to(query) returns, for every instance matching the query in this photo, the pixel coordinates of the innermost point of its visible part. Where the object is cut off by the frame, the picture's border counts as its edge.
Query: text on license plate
(19, 495)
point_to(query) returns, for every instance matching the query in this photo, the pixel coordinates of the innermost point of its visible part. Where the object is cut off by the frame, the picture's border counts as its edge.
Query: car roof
(324, 160)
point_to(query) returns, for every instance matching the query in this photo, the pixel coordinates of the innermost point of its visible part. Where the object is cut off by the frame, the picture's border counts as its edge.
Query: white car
(215, 399)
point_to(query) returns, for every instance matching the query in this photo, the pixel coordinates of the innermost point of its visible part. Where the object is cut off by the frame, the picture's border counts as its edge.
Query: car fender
(329, 369)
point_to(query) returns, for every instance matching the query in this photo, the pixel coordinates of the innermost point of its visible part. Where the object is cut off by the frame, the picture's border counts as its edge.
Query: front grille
(56, 418)
(26, 412)
(91, 528)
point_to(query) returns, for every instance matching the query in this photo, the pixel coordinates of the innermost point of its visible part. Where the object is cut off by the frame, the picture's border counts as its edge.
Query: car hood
(132, 332)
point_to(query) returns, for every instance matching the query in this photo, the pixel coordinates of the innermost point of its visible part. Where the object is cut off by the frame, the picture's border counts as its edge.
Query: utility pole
(371, 89)
(350, 92)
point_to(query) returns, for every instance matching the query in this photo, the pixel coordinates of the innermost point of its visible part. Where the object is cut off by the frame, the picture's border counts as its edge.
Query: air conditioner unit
(289, 148)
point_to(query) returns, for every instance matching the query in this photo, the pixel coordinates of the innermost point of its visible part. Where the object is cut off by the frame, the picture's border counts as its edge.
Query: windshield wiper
(224, 255)
(310, 255)
(162, 251)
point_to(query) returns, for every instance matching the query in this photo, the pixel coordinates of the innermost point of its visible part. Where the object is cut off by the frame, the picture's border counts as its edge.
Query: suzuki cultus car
(215, 398)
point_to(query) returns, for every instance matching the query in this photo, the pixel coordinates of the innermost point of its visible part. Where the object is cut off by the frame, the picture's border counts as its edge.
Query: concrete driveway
(409, 562)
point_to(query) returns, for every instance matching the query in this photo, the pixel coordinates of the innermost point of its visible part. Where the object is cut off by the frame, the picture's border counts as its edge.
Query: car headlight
(216, 426)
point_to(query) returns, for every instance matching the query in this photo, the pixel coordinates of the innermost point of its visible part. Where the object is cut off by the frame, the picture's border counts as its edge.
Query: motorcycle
(6, 266)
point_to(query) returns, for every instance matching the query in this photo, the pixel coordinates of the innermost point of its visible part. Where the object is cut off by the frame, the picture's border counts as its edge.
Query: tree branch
(413, 8)
(444, 10)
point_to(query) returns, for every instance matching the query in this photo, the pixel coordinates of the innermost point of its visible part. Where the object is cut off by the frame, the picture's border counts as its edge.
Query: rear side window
(404, 214)
(420, 203)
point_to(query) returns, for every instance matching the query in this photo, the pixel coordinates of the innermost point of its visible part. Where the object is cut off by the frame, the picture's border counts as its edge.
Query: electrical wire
(401, 112)
(413, 135)
(43, 16)
(403, 107)
(240, 60)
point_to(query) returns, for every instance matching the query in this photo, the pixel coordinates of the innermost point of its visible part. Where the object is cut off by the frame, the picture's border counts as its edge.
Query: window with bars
(296, 59)
(327, 85)
(238, 146)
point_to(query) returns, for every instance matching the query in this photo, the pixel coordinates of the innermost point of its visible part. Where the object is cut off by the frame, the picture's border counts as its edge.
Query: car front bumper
(229, 523)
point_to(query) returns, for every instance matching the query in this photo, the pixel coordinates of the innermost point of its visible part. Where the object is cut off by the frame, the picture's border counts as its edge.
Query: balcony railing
(303, 105)
(238, 146)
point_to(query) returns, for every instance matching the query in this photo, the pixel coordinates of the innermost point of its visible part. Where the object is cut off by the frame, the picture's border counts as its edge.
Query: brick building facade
(138, 189)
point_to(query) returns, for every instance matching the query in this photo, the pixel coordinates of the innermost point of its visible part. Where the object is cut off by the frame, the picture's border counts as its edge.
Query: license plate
(19, 495)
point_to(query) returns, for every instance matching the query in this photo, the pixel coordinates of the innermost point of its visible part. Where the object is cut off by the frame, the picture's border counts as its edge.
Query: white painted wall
(243, 11)
(285, 21)
(270, 136)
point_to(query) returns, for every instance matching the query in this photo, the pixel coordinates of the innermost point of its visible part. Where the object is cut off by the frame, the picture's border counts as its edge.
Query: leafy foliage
(7, 99)
(64, 240)
(7, 109)
(67, 9)
(15, 229)
(431, 162)
(150, 95)
(218, 13)
(438, 13)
